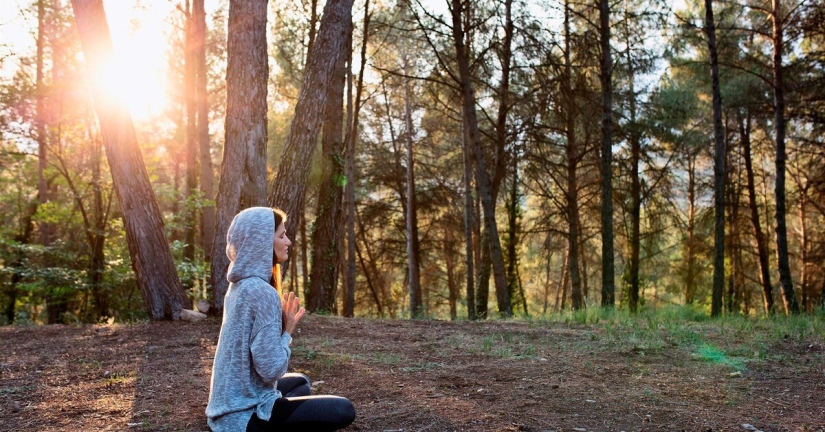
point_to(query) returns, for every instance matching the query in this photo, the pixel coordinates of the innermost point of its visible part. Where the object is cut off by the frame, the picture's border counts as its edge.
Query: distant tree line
(435, 161)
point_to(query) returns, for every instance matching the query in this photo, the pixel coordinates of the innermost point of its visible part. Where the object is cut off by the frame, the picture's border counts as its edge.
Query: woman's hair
(280, 217)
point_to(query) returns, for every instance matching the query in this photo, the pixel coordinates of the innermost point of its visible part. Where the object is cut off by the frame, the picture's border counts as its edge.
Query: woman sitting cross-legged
(250, 389)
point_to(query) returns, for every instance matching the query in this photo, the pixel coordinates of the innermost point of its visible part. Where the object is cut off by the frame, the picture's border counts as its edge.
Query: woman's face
(281, 243)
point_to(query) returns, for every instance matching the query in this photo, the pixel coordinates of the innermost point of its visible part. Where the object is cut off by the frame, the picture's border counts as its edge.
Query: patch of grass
(712, 354)
(15, 390)
(384, 358)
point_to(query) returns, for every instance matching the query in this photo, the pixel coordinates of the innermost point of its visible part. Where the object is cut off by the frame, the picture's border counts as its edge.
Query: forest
(437, 159)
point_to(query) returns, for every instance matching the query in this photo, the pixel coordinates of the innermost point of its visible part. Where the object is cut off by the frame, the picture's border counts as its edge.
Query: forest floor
(403, 375)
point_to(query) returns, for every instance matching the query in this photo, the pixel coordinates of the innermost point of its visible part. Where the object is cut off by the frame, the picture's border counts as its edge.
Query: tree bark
(155, 271)
(288, 189)
(190, 97)
(761, 239)
(349, 305)
(207, 216)
(469, 223)
(473, 135)
(605, 74)
(323, 280)
(243, 169)
(572, 159)
(413, 248)
(718, 169)
(780, 123)
(690, 254)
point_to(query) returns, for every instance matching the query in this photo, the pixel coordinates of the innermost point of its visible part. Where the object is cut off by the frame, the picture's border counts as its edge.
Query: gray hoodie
(252, 351)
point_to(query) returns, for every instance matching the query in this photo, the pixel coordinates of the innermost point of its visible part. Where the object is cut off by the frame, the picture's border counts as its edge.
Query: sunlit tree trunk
(163, 295)
(288, 188)
(207, 216)
(190, 98)
(243, 169)
(780, 124)
(718, 169)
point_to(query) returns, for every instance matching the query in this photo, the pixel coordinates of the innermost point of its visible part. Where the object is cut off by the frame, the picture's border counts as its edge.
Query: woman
(250, 389)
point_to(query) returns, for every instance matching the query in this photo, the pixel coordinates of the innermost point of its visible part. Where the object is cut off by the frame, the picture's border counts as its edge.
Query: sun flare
(135, 75)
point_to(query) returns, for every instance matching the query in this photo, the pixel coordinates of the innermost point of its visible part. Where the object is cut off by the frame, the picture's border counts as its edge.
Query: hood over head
(249, 244)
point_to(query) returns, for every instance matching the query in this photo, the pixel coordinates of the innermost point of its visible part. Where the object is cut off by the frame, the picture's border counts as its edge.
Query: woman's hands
(293, 312)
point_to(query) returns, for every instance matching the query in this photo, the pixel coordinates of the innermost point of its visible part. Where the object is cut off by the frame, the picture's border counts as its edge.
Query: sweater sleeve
(269, 347)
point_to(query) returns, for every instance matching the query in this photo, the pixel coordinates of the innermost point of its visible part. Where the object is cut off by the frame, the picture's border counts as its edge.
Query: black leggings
(296, 410)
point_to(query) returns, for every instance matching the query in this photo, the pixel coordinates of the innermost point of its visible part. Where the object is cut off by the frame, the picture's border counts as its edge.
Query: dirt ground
(419, 376)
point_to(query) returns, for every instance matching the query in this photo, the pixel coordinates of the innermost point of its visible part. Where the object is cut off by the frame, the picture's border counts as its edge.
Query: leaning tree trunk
(761, 239)
(157, 278)
(469, 223)
(288, 189)
(243, 170)
(608, 269)
(780, 122)
(718, 169)
(474, 138)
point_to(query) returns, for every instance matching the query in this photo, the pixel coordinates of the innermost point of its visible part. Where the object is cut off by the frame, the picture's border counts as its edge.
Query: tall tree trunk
(243, 170)
(761, 238)
(288, 189)
(352, 137)
(190, 96)
(572, 159)
(803, 247)
(323, 280)
(41, 119)
(413, 248)
(473, 134)
(718, 169)
(635, 193)
(780, 122)
(155, 271)
(513, 236)
(469, 223)
(207, 216)
(608, 269)
(690, 255)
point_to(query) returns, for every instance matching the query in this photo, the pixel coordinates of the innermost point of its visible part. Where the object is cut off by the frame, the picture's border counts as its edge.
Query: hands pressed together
(292, 312)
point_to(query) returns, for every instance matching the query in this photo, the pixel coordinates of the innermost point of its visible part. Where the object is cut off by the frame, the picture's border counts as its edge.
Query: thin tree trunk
(761, 239)
(718, 168)
(190, 96)
(572, 156)
(40, 123)
(690, 259)
(561, 290)
(155, 271)
(473, 134)
(449, 263)
(513, 234)
(780, 122)
(803, 247)
(243, 171)
(349, 305)
(288, 188)
(207, 216)
(608, 267)
(413, 248)
(469, 217)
